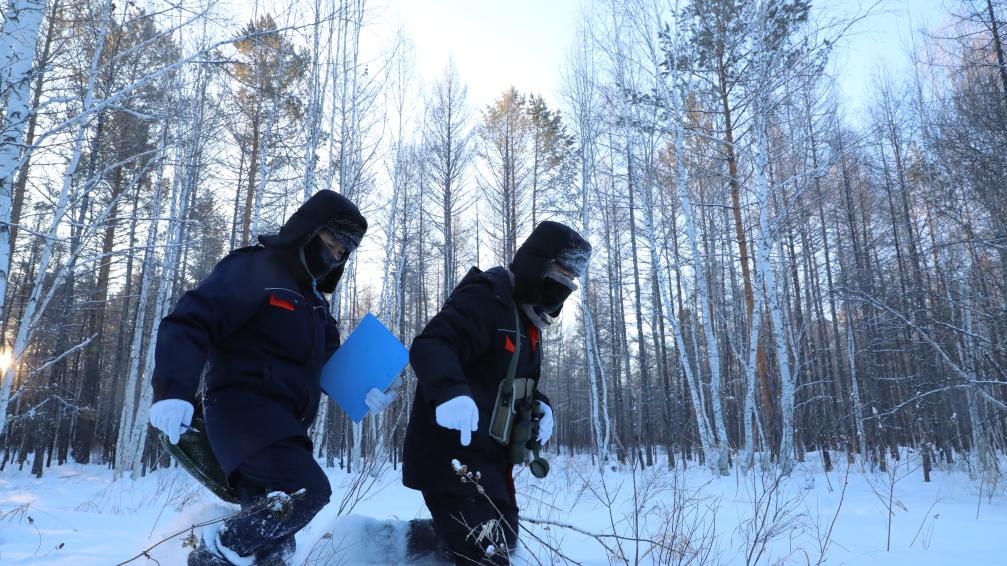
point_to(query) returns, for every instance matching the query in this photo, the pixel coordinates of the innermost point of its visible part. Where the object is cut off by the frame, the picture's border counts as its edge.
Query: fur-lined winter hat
(325, 209)
(548, 242)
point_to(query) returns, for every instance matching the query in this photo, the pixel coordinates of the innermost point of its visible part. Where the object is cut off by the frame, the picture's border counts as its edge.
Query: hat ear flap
(527, 285)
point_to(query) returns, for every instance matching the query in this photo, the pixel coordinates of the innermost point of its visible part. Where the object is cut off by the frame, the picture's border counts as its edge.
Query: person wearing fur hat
(485, 337)
(262, 328)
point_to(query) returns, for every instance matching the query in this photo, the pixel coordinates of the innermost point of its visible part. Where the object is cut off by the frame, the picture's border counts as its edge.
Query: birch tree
(18, 37)
(37, 302)
(583, 97)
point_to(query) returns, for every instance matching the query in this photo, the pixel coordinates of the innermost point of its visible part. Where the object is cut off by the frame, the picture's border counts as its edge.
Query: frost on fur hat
(348, 229)
(325, 209)
(548, 242)
(555, 241)
(575, 255)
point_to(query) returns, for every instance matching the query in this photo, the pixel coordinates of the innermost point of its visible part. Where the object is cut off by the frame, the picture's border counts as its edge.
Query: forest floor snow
(80, 515)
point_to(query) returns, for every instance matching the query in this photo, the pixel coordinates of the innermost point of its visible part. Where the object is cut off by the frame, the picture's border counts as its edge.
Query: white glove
(170, 416)
(378, 400)
(545, 425)
(459, 414)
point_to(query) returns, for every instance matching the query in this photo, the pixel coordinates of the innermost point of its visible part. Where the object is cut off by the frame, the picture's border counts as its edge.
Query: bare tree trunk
(36, 303)
(124, 456)
(998, 46)
(90, 381)
(21, 184)
(582, 94)
(316, 87)
(22, 20)
(643, 417)
(250, 190)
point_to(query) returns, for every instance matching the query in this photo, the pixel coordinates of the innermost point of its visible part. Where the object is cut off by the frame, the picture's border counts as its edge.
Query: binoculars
(524, 438)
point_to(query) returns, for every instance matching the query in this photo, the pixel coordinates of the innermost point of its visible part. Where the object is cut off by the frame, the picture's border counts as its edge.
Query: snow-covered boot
(211, 552)
(203, 556)
(280, 555)
(424, 546)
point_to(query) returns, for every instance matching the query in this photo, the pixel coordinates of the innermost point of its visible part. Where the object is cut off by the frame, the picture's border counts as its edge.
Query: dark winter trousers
(266, 526)
(469, 526)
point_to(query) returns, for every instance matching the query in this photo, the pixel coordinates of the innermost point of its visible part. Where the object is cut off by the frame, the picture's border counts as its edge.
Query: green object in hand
(525, 437)
(194, 454)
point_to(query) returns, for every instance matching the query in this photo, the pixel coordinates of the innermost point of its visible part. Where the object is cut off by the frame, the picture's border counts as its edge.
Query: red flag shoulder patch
(278, 302)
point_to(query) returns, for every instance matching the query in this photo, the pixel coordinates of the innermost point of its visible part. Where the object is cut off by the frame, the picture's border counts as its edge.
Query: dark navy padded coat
(263, 335)
(465, 350)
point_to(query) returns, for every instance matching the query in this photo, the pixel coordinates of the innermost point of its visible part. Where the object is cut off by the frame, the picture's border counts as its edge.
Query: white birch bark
(748, 453)
(331, 74)
(130, 452)
(22, 20)
(582, 94)
(390, 277)
(767, 272)
(349, 98)
(265, 167)
(356, 454)
(670, 85)
(858, 407)
(985, 458)
(316, 87)
(317, 430)
(126, 418)
(124, 450)
(170, 265)
(35, 303)
(349, 146)
(702, 291)
(764, 264)
(716, 450)
(715, 453)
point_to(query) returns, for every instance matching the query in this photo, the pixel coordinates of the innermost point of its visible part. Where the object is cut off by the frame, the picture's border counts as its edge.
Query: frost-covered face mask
(556, 287)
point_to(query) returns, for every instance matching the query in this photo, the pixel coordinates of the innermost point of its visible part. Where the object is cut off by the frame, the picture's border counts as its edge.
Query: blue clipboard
(370, 358)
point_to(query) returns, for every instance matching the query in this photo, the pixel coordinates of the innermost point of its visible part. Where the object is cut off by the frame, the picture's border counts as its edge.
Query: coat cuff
(174, 391)
(447, 393)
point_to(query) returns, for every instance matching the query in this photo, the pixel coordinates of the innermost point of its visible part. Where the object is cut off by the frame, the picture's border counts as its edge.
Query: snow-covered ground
(78, 515)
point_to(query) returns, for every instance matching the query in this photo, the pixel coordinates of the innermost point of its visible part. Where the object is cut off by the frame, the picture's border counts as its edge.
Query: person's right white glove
(459, 414)
(170, 416)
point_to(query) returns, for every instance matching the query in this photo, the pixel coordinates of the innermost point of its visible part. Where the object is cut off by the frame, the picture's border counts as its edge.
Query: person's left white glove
(545, 424)
(378, 400)
(170, 416)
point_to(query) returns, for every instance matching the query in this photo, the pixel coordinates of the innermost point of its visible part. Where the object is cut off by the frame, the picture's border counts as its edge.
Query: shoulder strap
(512, 369)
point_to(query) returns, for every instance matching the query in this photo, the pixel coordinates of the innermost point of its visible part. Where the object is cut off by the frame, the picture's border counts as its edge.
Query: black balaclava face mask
(556, 288)
(549, 243)
(318, 259)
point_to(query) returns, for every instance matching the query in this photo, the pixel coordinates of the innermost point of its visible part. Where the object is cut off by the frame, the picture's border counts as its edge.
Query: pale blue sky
(880, 41)
(497, 43)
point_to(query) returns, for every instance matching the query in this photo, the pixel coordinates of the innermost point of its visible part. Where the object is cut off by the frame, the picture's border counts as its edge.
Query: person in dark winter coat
(262, 328)
(460, 359)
